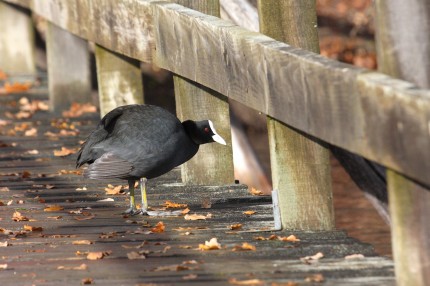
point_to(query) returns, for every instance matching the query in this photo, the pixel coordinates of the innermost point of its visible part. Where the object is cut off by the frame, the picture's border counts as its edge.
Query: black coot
(135, 142)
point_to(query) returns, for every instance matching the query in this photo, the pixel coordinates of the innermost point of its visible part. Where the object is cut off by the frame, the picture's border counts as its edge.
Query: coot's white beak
(216, 136)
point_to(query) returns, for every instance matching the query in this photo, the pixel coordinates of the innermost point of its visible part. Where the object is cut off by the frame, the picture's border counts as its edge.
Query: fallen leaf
(82, 242)
(64, 152)
(95, 255)
(85, 217)
(210, 245)
(244, 247)
(16, 87)
(315, 278)
(86, 281)
(172, 205)
(206, 203)
(53, 208)
(291, 238)
(197, 217)
(256, 192)
(33, 152)
(189, 277)
(17, 216)
(32, 228)
(253, 282)
(3, 266)
(25, 174)
(106, 200)
(159, 227)
(3, 75)
(175, 267)
(77, 109)
(312, 259)
(4, 244)
(355, 256)
(114, 190)
(31, 132)
(235, 226)
(83, 266)
(81, 189)
(136, 255)
(249, 212)
(4, 189)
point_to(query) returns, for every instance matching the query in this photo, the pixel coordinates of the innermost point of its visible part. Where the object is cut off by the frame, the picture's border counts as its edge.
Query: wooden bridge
(310, 102)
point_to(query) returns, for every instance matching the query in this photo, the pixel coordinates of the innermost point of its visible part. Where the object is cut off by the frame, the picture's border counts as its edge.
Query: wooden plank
(68, 68)
(300, 164)
(16, 41)
(213, 164)
(402, 42)
(245, 66)
(119, 80)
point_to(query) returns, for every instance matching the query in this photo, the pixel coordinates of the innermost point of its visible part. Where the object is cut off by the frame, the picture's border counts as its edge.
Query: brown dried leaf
(315, 278)
(85, 217)
(31, 132)
(312, 259)
(189, 277)
(114, 190)
(64, 152)
(355, 256)
(77, 109)
(249, 212)
(159, 227)
(83, 266)
(235, 226)
(210, 245)
(172, 205)
(4, 244)
(82, 242)
(17, 216)
(197, 217)
(291, 238)
(53, 208)
(250, 282)
(86, 281)
(95, 255)
(32, 228)
(244, 247)
(3, 266)
(4, 189)
(136, 255)
(256, 192)
(16, 87)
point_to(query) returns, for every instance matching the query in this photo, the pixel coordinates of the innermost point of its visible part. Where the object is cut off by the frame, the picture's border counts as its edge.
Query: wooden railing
(365, 112)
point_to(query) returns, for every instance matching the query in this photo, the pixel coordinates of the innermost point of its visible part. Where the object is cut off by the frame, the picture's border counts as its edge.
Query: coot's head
(202, 132)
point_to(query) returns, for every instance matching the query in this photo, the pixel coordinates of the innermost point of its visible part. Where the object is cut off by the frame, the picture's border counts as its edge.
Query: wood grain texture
(403, 42)
(213, 164)
(119, 80)
(68, 69)
(254, 70)
(300, 165)
(16, 41)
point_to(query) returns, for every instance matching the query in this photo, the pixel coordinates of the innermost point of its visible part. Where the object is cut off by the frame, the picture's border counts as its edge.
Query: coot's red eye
(206, 129)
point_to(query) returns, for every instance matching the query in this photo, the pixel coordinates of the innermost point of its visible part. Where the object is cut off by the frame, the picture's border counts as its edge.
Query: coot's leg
(144, 208)
(132, 210)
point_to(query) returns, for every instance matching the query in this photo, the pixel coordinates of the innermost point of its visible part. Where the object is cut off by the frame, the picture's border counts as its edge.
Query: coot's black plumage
(135, 142)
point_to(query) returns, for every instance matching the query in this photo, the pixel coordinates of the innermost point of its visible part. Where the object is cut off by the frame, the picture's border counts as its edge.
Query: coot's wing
(85, 154)
(108, 166)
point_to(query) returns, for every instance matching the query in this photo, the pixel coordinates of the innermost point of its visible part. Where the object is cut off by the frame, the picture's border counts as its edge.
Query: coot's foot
(132, 211)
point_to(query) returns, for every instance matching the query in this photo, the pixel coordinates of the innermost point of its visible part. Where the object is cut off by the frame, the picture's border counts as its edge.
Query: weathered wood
(300, 165)
(409, 204)
(68, 68)
(403, 41)
(119, 80)
(213, 164)
(323, 97)
(241, 12)
(16, 40)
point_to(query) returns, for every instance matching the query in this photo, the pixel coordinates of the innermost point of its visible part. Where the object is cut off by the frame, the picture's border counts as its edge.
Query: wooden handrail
(368, 113)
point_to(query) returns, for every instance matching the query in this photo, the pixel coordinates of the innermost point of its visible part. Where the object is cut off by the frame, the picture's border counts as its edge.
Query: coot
(139, 142)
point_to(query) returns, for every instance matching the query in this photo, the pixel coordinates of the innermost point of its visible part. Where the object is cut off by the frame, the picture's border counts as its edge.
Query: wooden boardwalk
(65, 236)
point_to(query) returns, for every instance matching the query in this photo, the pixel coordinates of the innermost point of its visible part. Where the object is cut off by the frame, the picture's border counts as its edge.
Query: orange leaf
(64, 152)
(77, 109)
(197, 217)
(16, 87)
(95, 255)
(17, 216)
(114, 190)
(82, 242)
(172, 205)
(291, 238)
(159, 227)
(256, 192)
(32, 228)
(210, 245)
(245, 246)
(53, 208)
(251, 282)
(249, 212)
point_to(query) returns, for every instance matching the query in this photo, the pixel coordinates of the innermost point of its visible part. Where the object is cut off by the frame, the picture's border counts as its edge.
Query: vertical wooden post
(119, 80)
(213, 164)
(68, 68)
(402, 42)
(300, 165)
(16, 40)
